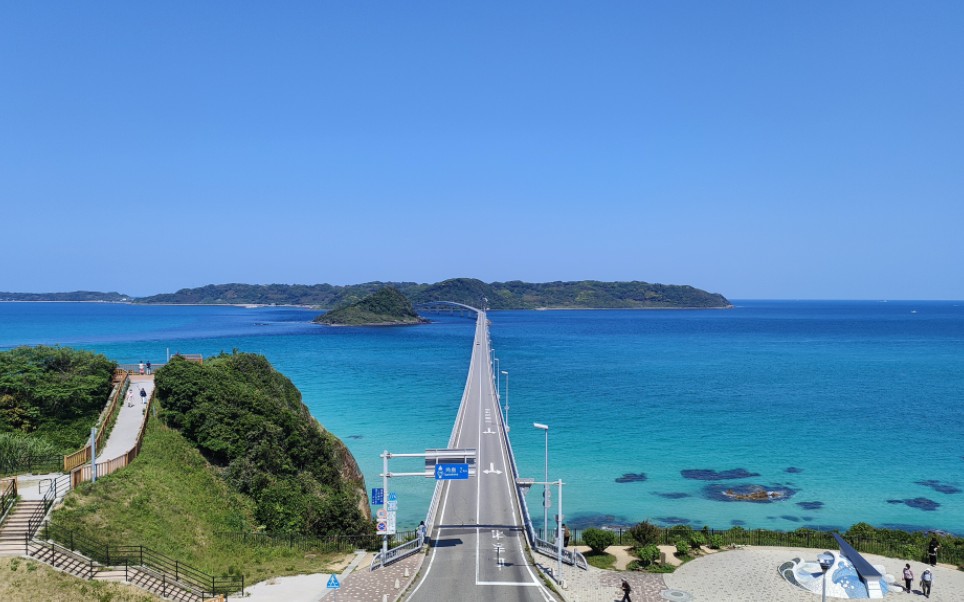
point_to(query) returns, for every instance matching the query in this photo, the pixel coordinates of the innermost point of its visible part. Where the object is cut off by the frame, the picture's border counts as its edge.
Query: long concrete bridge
(480, 530)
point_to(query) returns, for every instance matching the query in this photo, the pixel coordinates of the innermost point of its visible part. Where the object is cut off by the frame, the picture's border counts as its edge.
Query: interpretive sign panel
(378, 496)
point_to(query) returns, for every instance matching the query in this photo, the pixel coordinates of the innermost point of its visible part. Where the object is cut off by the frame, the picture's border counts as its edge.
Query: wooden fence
(82, 474)
(82, 456)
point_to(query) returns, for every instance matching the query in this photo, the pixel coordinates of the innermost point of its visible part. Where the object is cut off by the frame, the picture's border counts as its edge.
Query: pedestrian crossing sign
(333, 583)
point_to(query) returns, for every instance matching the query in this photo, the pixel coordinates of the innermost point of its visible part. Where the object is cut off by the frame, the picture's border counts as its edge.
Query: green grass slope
(173, 501)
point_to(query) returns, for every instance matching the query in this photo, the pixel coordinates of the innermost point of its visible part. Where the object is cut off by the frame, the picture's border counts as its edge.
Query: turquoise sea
(854, 407)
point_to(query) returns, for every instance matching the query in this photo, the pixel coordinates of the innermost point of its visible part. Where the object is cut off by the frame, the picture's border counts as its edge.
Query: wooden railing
(82, 474)
(82, 456)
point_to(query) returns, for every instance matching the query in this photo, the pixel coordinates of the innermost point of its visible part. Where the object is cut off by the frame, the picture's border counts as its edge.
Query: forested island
(583, 294)
(384, 307)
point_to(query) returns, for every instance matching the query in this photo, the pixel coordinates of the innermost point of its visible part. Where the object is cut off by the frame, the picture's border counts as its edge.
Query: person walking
(932, 548)
(140, 367)
(422, 531)
(143, 395)
(566, 535)
(926, 580)
(908, 578)
(626, 591)
(148, 367)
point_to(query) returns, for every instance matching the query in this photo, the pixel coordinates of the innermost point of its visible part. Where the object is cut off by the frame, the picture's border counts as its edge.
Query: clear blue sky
(755, 149)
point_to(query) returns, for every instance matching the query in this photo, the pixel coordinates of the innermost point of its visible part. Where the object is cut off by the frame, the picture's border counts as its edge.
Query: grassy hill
(386, 306)
(23, 580)
(172, 500)
(249, 421)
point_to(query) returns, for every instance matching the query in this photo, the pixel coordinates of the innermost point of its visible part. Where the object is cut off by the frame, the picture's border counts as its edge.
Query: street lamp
(506, 372)
(545, 488)
(826, 561)
(498, 384)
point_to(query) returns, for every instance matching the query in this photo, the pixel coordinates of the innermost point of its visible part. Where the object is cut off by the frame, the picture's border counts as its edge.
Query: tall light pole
(545, 488)
(506, 372)
(498, 385)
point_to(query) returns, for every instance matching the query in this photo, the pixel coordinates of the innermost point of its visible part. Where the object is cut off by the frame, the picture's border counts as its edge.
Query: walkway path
(129, 418)
(750, 574)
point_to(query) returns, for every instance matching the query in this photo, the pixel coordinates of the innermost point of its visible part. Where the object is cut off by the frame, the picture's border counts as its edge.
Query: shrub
(860, 531)
(645, 533)
(598, 539)
(697, 540)
(682, 548)
(647, 554)
(716, 541)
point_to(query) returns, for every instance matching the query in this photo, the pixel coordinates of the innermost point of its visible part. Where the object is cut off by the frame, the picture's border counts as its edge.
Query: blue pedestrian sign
(445, 472)
(333, 583)
(392, 497)
(378, 496)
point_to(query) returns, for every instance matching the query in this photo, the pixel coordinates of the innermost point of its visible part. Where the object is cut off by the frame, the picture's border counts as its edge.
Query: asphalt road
(478, 546)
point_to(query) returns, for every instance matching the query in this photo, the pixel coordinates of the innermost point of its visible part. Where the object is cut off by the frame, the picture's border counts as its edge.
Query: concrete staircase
(80, 566)
(13, 531)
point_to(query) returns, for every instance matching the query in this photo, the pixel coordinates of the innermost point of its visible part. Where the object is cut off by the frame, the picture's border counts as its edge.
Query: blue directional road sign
(333, 583)
(446, 472)
(378, 496)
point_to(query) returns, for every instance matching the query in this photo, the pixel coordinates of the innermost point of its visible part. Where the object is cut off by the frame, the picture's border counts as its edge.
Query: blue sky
(755, 149)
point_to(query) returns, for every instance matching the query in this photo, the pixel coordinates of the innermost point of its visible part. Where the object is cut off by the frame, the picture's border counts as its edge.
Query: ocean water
(854, 409)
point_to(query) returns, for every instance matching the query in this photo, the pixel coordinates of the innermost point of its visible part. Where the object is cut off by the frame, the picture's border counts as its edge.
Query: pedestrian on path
(626, 591)
(143, 395)
(932, 548)
(908, 578)
(140, 367)
(926, 579)
(148, 367)
(422, 531)
(566, 535)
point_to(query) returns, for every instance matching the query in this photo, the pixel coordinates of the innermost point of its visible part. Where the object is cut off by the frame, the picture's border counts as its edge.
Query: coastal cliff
(248, 419)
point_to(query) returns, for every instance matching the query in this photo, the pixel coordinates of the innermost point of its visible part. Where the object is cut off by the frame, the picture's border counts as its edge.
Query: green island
(515, 294)
(385, 307)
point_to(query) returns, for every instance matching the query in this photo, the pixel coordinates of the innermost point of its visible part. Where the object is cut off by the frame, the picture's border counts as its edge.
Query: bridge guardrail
(570, 557)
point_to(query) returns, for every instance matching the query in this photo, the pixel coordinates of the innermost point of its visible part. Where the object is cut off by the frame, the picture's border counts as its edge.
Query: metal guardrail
(570, 557)
(397, 553)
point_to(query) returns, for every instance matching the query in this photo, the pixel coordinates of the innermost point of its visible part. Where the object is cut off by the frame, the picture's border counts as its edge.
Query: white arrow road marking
(491, 469)
(496, 534)
(489, 431)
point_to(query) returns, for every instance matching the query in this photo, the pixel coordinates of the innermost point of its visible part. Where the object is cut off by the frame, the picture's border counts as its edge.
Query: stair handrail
(171, 569)
(8, 495)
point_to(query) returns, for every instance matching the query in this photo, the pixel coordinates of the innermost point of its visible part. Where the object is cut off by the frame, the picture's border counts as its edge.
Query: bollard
(406, 572)
(397, 584)
(385, 598)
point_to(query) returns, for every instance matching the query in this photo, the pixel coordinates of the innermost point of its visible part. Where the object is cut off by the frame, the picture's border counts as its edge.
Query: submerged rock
(810, 505)
(673, 496)
(632, 477)
(794, 470)
(920, 503)
(748, 493)
(706, 474)
(939, 486)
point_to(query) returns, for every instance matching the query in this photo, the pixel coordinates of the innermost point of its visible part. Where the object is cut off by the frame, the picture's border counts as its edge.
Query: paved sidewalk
(358, 583)
(750, 574)
(129, 418)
